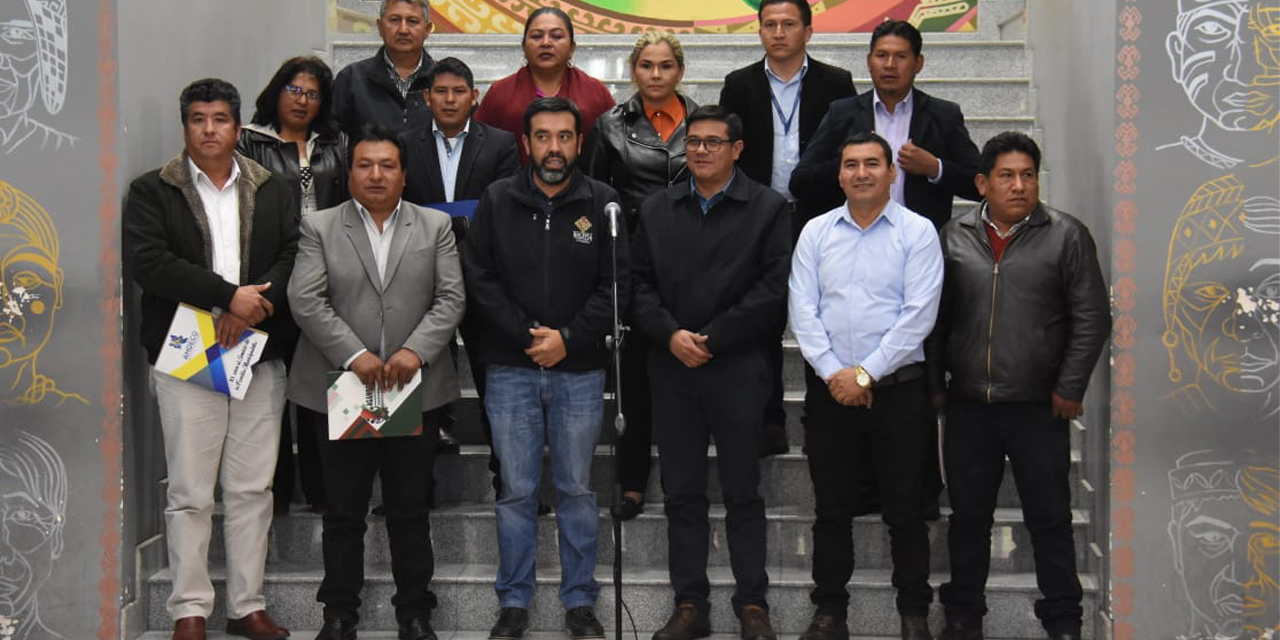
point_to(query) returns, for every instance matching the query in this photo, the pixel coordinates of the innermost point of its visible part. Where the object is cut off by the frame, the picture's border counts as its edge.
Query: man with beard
(539, 274)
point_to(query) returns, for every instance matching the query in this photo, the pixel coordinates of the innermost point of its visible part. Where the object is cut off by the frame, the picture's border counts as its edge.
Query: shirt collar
(368, 217)
(197, 173)
(1012, 230)
(804, 68)
(386, 59)
(668, 107)
(891, 214)
(466, 128)
(878, 104)
(706, 203)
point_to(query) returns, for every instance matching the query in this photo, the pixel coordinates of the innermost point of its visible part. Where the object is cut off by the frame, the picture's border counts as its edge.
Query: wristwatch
(863, 378)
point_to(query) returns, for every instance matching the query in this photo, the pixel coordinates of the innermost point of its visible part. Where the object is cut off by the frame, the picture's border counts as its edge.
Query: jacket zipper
(991, 324)
(546, 261)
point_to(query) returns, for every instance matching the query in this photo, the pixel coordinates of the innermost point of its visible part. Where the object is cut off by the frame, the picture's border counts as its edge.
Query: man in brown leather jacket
(1024, 317)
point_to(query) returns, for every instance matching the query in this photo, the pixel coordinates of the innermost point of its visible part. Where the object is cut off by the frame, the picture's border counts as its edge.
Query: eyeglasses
(711, 144)
(299, 92)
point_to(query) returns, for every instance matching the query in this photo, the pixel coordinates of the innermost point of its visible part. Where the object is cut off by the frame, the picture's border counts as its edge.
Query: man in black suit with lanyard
(454, 158)
(781, 100)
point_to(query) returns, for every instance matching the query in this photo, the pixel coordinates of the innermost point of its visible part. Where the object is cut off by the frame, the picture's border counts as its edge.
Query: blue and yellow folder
(192, 353)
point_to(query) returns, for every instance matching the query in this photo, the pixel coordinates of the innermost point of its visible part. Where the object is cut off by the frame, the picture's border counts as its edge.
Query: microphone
(612, 210)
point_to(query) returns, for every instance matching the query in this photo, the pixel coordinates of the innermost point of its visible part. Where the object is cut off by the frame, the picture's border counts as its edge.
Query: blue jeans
(523, 405)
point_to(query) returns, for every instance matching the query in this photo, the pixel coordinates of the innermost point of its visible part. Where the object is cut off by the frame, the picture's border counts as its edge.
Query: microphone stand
(615, 342)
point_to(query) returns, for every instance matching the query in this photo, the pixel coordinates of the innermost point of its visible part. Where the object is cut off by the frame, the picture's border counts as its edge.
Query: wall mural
(1196, 374)
(704, 16)
(1225, 532)
(33, 65)
(30, 296)
(33, 508)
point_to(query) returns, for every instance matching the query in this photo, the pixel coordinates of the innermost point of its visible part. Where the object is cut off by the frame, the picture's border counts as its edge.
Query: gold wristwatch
(863, 378)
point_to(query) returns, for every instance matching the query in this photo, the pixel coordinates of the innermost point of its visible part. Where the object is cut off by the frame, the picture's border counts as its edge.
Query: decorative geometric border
(1124, 441)
(111, 444)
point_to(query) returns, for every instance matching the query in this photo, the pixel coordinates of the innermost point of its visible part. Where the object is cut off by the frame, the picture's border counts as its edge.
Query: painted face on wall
(19, 59)
(1226, 56)
(30, 293)
(30, 527)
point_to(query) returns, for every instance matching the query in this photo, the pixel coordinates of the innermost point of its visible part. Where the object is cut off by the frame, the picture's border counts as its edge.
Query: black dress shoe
(962, 630)
(915, 628)
(581, 623)
(417, 628)
(773, 440)
(755, 625)
(447, 444)
(686, 623)
(512, 621)
(628, 508)
(826, 626)
(337, 629)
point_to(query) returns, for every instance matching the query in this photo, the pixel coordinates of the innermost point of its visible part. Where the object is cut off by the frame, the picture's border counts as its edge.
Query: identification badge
(582, 231)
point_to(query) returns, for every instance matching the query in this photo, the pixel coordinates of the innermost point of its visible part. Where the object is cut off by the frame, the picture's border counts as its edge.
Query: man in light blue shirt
(865, 284)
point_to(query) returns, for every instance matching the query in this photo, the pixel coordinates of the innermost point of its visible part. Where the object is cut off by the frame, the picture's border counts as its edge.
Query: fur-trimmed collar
(177, 174)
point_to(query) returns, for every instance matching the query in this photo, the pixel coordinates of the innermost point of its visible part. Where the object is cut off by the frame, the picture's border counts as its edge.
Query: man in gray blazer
(378, 291)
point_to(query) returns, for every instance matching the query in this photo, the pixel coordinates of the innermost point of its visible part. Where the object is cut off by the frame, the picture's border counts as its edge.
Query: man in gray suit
(378, 292)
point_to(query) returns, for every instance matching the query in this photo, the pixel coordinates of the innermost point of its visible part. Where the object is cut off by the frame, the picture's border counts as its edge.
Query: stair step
(467, 600)
(784, 479)
(449, 634)
(465, 534)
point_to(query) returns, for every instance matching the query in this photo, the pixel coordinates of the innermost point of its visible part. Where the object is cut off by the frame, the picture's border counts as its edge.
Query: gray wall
(1073, 107)
(164, 46)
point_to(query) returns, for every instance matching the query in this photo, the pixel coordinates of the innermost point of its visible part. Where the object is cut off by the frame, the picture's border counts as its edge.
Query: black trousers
(307, 463)
(405, 465)
(893, 435)
(1038, 445)
(637, 403)
(723, 399)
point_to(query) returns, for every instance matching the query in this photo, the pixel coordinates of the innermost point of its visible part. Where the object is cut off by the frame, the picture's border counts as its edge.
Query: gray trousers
(208, 435)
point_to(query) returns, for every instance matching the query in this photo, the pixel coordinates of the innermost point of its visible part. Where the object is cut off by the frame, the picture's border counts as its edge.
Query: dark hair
(1007, 142)
(719, 114)
(555, 11)
(806, 13)
(375, 133)
(900, 28)
(209, 90)
(421, 4)
(451, 65)
(267, 107)
(552, 104)
(868, 137)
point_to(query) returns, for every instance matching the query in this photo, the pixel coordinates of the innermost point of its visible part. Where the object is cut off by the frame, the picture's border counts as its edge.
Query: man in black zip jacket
(1024, 317)
(712, 256)
(539, 273)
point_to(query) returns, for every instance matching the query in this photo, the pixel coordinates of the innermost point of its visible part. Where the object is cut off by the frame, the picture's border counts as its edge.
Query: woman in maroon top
(548, 46)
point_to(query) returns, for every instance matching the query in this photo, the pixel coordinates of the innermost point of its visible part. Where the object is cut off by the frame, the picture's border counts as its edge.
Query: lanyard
(787, 119)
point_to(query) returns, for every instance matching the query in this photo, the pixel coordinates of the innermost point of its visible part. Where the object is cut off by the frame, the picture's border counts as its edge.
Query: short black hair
(868, 137)
(372, 132)
(551, 104)
(209, 90)
(900, 28)
(421, 4)
(719, 114)
(555, 11)
(806, 13)
(451, 65)
(267, 107)
(1007, 142)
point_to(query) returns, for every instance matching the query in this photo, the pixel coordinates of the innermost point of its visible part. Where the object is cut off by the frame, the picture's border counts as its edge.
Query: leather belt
(906, 373)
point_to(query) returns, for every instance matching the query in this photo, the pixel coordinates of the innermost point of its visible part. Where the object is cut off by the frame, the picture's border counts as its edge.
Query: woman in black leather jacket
(293, 134)
(638, 147)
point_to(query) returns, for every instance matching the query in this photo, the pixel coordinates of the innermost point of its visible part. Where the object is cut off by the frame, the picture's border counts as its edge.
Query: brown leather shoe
(189, 628)
(686, 623)
(257, 626)
(755, 623)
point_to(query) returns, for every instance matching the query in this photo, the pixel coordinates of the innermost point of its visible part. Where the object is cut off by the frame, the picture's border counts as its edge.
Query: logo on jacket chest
(582, 231)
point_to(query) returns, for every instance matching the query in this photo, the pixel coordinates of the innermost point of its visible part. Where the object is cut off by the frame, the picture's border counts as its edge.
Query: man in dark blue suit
(781, 99)
(934, 156)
